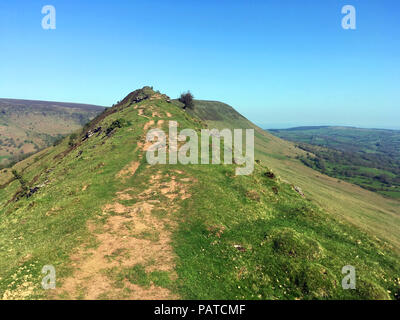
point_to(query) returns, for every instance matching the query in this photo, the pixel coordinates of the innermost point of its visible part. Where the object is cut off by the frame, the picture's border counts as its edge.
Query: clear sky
(280, 63)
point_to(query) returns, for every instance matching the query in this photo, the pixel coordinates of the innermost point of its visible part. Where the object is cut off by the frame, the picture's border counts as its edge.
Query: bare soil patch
(132, 235)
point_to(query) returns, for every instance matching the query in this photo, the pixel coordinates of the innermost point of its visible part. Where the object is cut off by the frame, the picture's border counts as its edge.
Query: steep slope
(27, 126)
(114, 226)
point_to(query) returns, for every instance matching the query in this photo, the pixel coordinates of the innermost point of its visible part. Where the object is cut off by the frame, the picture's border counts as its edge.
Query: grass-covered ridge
(115, 227)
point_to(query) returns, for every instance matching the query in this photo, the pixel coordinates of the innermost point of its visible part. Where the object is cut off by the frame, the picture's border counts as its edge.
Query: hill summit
(111, 226)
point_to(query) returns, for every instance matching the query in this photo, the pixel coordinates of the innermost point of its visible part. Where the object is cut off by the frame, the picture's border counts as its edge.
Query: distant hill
(367, 157)
(27, 126)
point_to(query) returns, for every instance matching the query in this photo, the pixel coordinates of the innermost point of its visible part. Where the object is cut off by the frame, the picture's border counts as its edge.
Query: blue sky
(280, 63)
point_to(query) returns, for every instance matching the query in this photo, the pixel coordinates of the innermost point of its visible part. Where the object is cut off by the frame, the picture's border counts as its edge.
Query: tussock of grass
(137, 275)
(290, 243)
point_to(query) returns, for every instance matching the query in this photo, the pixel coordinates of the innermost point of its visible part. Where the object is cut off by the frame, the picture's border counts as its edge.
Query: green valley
(369, 158)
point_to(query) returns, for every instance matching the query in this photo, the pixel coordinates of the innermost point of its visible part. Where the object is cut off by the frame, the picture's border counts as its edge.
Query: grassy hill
(365, 209)
(115, 227)
(28, 126)
(367, 157)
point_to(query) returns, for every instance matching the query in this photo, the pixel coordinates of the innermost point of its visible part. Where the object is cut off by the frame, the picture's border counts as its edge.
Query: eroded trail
(130, 237)
(132, 241)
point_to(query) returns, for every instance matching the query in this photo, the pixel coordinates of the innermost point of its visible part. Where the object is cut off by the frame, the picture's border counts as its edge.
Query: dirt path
(123, 243)
(132, 235)
(128, 171)
(127, 236)
(148, 125)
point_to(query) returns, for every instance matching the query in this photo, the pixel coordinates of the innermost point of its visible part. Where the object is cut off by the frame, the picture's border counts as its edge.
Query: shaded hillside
(27, 126)
(115, 227)
(369, 158)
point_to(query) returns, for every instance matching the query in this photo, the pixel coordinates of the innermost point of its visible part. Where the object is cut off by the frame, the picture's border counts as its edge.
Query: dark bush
(187, 100)
(119, 123)
(269, 175)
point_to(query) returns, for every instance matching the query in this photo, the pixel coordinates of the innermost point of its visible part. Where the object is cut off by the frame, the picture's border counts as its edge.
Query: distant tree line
(375, 172)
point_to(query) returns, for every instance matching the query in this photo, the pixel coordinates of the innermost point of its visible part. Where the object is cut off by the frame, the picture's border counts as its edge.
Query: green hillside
(365, 209)
(115, 227)
(27, 126)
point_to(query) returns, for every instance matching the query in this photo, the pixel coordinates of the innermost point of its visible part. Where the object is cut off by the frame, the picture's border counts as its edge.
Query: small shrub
(187, 100)
(269, 174)
(119, 123)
